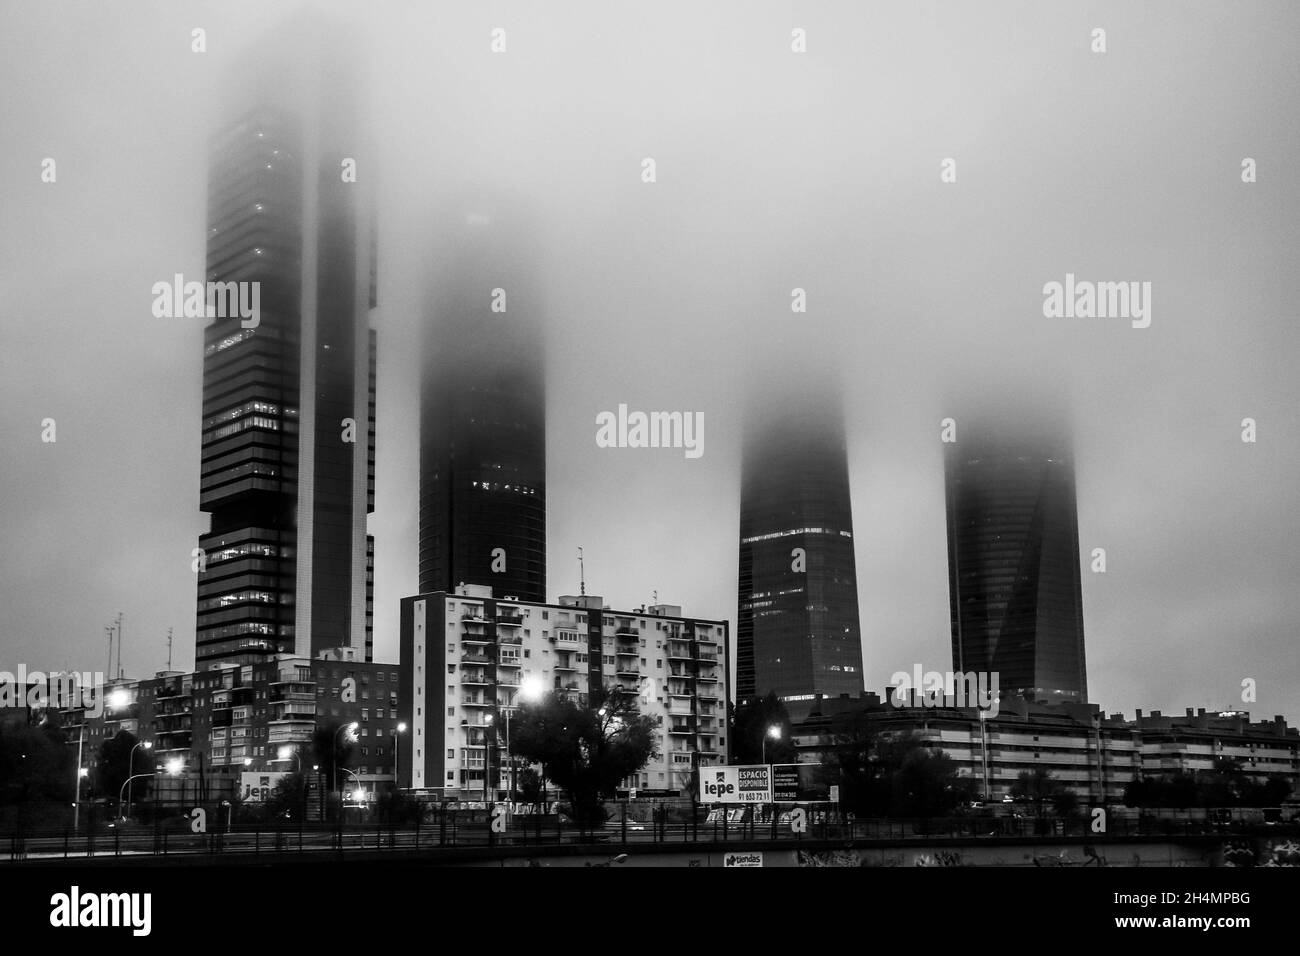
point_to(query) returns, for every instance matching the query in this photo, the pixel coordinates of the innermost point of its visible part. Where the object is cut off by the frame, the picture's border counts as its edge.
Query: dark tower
(483, 417)
(1013, 557)
(288, 482)
(797, 620)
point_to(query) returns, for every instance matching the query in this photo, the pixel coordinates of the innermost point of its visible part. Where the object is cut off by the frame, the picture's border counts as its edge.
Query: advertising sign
(752, 784)
(798, 783)
(257, 787)
(732, 860)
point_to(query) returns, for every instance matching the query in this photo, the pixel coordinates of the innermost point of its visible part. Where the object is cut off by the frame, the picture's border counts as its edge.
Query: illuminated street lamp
(775, 733)
(350, 730)
(530, 689)
(400, 729)
(130, 765)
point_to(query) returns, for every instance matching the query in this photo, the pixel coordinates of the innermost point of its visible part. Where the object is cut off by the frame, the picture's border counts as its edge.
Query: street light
(397, 782)
(775, 733)
(130, 765)
(349, 729)
(530, 688)
(487, 756)
(122, 793)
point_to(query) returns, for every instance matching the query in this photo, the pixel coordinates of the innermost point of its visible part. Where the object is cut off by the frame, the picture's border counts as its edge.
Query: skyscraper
(287, 472)
(1013, 557)
(483, 415)
(797, 621)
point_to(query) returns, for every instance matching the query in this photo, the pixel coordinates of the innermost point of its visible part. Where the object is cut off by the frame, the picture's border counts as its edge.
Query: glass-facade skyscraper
(797, 623)
(1015, 593)
(287, 466)
(483, 415)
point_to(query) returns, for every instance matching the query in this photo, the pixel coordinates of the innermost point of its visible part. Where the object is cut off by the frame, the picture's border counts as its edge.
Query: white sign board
(257, 787)
(753, 858)
(751, 784)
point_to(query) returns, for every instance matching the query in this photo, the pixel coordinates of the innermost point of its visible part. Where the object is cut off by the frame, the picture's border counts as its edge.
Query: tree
(587, 750)
(118, 761)
(1037, 786)
(851, 764)
(331, 751)
(751, 722)
(288, 799)
(35, 764)
(528, 784)
(926, 783)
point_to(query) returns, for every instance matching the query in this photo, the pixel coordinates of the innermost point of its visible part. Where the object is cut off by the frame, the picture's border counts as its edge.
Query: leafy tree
(35, 764)
(925, 783)
(588, 749)
(119, 760)
(750, 723)
(1038, 786)
(528, 783)
(288, 799)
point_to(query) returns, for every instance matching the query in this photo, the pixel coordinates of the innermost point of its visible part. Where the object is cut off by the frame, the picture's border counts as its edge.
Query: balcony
(564, 666)
(509, 619)
(475, 678)
(510, 662)
(627, 670)
(707, 677)
(631, 652)
(474, 617)
(476, 702)
(627, 632)
(475, 659)
(286, 695)
(679, 652)
(475, 639)
(682, 729)
(568, 685)
(512, 639)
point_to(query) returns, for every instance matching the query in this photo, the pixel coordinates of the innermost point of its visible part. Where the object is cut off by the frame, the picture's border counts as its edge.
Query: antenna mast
(582, 574)
(169, 648)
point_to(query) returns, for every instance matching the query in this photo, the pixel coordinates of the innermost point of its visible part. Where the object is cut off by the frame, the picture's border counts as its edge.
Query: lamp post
(122, 793)
(81, 772)
(130, 765)
(775, 733)
(488, 730)
(397, 782)
(350, 729)
(530, 688)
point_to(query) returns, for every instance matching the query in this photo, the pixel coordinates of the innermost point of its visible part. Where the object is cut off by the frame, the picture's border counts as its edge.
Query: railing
(644, 824)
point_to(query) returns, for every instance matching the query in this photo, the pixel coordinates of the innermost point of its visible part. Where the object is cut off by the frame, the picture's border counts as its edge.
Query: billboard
(751, 784)
(256, 787)
(798, 783)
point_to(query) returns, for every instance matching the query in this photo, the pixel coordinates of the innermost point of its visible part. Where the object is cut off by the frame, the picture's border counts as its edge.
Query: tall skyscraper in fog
(797, 621)
(288, 448)
(1014, 586)
(483, 414)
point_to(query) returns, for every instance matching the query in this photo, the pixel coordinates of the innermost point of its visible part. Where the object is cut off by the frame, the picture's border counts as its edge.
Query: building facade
(483, 416)
(1093, 755)
(465, 656)
(1014, 588)
(287, 451)
(797, 619)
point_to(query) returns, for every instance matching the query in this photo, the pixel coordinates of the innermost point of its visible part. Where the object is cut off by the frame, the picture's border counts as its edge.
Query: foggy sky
(775, 171)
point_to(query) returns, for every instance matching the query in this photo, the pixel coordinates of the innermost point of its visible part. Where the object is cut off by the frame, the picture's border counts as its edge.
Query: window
(451, 711)
(451, 753)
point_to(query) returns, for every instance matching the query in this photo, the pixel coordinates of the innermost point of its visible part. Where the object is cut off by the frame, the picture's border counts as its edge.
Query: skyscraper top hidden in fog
(1015, 593)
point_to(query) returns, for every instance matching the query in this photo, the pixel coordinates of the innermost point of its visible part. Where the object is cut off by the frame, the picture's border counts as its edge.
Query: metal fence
(465, 829)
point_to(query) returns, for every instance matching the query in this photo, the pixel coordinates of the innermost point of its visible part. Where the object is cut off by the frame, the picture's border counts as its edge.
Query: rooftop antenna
(119, 645)
(108, 629)
(582, 574)
(169, 648)
(654, 597)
